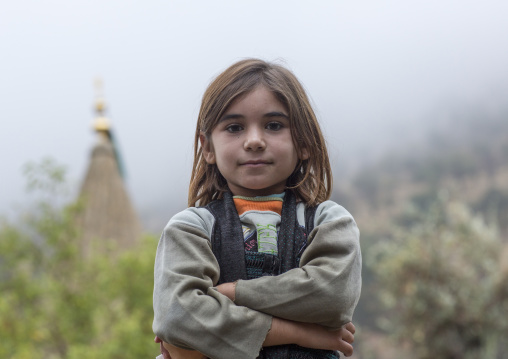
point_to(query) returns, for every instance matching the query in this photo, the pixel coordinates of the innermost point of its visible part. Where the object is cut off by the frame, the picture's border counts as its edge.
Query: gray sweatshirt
(190, 313)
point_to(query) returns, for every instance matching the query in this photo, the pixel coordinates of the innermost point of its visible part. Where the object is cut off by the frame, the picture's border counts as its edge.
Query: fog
(377, 73)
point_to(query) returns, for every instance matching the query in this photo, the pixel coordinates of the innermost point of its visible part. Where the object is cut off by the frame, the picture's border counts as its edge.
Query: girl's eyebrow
(231, 116)
(236, 116)
(276, 114)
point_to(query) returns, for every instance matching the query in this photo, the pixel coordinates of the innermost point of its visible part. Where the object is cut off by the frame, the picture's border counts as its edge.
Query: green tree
(56, 304)
(442, 285)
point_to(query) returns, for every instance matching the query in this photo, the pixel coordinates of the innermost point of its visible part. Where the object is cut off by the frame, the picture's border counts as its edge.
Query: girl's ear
(304, 154)
(206, 145)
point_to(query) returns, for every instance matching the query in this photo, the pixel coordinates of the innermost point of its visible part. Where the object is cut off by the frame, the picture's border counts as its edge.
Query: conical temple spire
(107, 214)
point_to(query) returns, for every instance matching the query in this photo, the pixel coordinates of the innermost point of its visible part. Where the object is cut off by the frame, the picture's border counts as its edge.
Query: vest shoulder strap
(310, 214)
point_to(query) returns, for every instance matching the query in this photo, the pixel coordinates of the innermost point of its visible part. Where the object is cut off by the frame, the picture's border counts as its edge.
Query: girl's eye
(234, 128)
(274, 126)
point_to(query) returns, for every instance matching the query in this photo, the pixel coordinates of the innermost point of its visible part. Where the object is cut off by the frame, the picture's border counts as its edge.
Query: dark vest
(236, 263)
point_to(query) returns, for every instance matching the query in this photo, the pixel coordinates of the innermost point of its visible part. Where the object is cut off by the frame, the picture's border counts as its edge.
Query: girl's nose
(254, 140)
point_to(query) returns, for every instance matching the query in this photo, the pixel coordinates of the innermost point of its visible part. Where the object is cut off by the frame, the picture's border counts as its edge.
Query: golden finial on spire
(101, 123)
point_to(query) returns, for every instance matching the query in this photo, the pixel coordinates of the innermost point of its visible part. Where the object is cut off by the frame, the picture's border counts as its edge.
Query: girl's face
(252, 145)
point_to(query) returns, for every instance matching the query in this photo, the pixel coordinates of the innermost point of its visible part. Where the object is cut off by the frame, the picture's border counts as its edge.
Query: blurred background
(412, 98)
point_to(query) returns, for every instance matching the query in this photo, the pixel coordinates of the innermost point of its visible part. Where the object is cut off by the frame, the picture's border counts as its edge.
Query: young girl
(265, 267)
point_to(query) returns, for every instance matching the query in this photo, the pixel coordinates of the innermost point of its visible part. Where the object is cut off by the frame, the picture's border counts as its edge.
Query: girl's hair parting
(311, 180)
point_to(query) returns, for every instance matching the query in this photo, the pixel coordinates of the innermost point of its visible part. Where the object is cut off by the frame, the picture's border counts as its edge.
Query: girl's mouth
(255, 163)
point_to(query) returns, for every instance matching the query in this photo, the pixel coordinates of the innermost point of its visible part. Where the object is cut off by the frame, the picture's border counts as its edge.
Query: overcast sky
(372, 68)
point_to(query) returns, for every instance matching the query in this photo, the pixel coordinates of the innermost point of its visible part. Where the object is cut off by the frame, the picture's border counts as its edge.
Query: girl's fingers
(346, 349)
(350, 327)
(347, 336)
(164, 352)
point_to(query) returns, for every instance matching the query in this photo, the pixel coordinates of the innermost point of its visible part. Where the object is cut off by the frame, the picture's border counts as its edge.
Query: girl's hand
(227, 289)
(169, 351)
(164, 352)
(316, 336)
(311, 336)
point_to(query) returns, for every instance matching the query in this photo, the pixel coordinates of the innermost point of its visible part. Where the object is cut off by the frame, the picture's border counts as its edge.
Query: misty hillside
(463, 157)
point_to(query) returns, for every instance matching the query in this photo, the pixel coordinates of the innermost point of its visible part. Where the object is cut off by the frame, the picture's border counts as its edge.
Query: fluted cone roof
(107, 210)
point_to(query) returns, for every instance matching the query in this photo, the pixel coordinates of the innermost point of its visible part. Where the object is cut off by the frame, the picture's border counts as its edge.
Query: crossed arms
(313, 301)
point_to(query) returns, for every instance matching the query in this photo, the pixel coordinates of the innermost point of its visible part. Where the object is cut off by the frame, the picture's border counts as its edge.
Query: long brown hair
(311, 180)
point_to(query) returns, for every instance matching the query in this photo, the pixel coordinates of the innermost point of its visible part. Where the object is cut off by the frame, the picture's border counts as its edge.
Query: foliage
(442, 282)
(56, 304)
(46, 176)
(495, 206)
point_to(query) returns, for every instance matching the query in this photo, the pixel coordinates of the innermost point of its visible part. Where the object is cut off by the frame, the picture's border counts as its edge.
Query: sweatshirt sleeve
(188, 311)
(326, 287)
